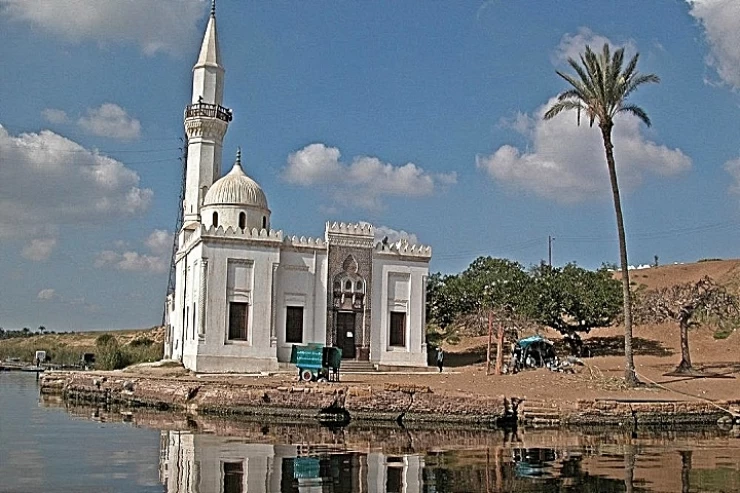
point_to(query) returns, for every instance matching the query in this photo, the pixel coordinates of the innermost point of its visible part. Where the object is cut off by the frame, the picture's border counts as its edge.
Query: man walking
(440, 358)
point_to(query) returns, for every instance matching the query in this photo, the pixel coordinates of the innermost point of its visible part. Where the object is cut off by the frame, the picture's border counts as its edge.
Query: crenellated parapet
(354, 229)
(405, 249)
(304, 242)
(239, 234)
(357, 235)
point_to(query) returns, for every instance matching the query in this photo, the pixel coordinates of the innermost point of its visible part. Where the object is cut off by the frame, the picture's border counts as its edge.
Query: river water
(48, 446)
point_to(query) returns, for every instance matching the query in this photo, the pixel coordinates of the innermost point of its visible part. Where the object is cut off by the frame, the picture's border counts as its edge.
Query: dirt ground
(656, 353)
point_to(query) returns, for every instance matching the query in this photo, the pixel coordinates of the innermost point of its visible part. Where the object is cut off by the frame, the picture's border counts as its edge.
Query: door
(346, 334)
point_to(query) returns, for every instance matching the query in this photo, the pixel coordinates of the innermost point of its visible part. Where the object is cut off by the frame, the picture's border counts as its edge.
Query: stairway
(355, 366)
(536, 412)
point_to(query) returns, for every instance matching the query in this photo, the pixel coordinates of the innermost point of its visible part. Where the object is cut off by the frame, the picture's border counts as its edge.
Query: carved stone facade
(349, 299)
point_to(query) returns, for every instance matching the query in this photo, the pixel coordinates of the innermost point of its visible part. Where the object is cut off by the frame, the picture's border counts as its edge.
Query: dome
(236, 188)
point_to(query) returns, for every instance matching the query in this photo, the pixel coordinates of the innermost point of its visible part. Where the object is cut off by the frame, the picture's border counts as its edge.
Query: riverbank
(408, 398)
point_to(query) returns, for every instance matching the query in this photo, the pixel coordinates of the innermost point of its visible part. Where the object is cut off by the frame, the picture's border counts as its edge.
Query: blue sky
(423, 117)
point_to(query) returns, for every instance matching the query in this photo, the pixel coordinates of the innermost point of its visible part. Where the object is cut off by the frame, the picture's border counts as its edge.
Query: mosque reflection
(195, 463)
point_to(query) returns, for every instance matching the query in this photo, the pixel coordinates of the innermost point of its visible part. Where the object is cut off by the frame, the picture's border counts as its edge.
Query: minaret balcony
(209, 111)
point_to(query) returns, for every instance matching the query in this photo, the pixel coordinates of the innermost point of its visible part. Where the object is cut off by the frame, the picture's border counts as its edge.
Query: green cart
(316, 362)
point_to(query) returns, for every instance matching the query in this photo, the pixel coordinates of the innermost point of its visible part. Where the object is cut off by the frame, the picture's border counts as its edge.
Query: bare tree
(688, 304)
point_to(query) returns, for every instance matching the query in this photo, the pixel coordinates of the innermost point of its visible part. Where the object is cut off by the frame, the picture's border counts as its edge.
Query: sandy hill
(724, 272)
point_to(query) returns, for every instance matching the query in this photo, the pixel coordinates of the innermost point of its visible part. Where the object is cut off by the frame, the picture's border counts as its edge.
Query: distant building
(245, 293)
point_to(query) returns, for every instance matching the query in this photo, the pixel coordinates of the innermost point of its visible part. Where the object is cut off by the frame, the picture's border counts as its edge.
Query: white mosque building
(246, 293)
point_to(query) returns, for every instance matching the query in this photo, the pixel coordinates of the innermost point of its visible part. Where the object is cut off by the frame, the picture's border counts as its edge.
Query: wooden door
(346, 334)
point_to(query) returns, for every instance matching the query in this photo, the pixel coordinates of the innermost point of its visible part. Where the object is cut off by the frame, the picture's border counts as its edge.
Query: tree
(573, 300)
(600, 90)
(42, 329)
(686, 304)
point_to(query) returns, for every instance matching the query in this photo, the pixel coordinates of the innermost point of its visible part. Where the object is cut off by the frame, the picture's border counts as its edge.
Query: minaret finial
(213, 8)
(239, 156)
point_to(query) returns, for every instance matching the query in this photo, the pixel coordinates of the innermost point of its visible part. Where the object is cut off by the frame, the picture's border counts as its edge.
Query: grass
(67, 349)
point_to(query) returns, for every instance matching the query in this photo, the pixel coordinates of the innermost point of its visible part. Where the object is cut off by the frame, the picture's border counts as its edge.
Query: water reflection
(203, 454)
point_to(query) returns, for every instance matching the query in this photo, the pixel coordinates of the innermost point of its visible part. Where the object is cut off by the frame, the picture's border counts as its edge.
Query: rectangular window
(294, 324)
(238, 321)
(398, 329)
(233, 474)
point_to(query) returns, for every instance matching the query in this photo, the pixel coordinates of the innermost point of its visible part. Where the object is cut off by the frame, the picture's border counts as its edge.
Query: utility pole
(549, 250)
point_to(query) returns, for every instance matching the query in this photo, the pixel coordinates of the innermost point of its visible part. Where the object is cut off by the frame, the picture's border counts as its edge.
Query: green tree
(573, 300)
(600, 90)
(465, 299)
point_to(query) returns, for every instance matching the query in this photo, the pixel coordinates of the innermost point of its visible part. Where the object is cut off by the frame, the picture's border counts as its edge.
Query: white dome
(236, 188)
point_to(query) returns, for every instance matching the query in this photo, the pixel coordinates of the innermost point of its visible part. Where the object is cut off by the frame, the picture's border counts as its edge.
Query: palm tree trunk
(629, 367)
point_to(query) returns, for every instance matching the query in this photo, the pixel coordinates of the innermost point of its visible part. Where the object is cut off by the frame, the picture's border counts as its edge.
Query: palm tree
(600, 90)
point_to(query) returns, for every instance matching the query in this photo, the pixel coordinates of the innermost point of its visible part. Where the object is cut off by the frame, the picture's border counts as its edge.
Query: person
(440, 358)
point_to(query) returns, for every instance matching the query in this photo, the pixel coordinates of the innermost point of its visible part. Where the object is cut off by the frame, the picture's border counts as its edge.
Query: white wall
(215, 352)
(398, 285)
(301, 282)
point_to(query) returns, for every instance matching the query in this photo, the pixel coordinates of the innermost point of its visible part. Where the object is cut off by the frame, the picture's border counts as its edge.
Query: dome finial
(213, 8)
(239, 156)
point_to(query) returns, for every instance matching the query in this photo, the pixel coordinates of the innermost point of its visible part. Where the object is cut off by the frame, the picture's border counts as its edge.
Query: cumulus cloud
(362, 182)
(394, 235)
(49, 181)
(159, 244)
(565, 161)
(156, 26)
(53, 115)
(572, 45)
(733, 168)
(721, 22)
(110, 120)
(39, 248)
(47, 294)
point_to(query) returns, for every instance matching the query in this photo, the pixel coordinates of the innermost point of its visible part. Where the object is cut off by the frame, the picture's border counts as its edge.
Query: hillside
(66, 349)
(723, 272)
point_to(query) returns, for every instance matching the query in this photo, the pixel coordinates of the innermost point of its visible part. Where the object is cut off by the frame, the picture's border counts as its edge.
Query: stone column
(274, 304)
(202, 298)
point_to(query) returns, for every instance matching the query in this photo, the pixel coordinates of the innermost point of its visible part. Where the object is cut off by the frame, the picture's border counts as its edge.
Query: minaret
(206, 122)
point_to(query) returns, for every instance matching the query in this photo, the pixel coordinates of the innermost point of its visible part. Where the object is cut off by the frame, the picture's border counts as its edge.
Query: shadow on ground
(614, 346)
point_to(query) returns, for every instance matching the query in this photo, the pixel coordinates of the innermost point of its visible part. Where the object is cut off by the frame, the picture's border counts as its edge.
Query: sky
(423, 118)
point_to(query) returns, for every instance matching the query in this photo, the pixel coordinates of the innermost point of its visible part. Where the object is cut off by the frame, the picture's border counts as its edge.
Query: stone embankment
(387, 402)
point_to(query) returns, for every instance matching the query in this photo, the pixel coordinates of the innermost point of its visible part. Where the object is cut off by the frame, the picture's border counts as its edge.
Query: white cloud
(572, 45)
(394, 235)
(733, 168)
(53, 115)
(39, 248)
(47, 294)
(159, 243)
(110, 120)
(364, 181)
(567, 161)
(721, 22)
(156, 26)
(49, 181)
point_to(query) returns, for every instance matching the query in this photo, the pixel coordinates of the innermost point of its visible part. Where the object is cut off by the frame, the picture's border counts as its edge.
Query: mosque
(245, 293)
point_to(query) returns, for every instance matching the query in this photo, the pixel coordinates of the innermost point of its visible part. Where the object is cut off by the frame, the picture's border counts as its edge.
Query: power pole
(178, 226)
(549, 250)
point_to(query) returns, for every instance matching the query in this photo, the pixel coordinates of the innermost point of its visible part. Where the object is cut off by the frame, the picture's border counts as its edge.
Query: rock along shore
(387, 402)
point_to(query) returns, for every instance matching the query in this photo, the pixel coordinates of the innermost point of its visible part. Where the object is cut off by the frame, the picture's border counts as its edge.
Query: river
(47, 445)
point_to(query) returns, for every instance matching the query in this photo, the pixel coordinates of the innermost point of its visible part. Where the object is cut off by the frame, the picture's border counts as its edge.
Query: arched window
(359, 286)
(337, 286)
(264, 222)
(242, 220)
(348, 285)
(215, 219)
